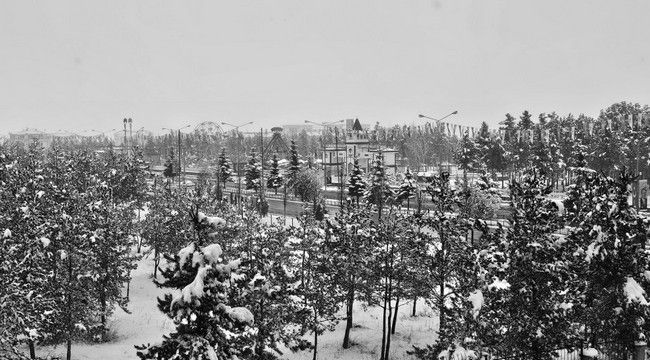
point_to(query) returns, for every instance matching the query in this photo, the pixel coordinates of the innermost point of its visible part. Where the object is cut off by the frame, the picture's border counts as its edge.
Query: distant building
(28, 136)
(338, 159)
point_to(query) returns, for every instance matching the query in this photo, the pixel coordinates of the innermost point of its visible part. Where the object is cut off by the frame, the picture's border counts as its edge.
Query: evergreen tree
(294, 164)
(378, 192)
(170, 165)
(275, 180)
(253, 172)
(468, 156)
(351, 240)
(356, 183)
(608, 256)
(208, 326)
(407, 189)
(527, 278)
(525, 121)
(224, 167)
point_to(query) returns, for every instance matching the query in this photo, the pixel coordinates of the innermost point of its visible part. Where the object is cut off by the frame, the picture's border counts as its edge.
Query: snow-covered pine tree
(224, 172)
(526, 278)
(350, 241)
(407, 189)
(294, 164)
(609, 259)
(275, 180)
(270, 289)
(253, 172)
(27, 292)
(468, 156)
(208, 327)
(171, 165)
(378, 193)
(356, 183)
(319, 286)
(167, 227)
(448, 256)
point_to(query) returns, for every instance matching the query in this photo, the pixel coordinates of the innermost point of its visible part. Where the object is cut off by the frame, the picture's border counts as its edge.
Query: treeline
(546, 282)
(68, 220)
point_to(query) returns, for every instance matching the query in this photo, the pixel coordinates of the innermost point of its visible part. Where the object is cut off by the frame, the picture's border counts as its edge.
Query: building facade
(354, 143)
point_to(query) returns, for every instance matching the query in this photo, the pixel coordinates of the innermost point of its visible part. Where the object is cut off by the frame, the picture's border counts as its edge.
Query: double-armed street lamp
(238, 151)
(180, 172)
(437, 122)
(442, 118)
(336, 146)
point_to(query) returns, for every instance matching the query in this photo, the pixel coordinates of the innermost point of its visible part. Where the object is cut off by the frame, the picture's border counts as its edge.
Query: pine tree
(468, 156)
(170, 165)
(407, 189)
(253, 172)
(525, 120)
(294, 164)
(607, 248)
(356, 183)
(526, 278)
(224, 167)
(378, 192)
(350, 244)
(208, 326)
(275, 180)
(224, 172)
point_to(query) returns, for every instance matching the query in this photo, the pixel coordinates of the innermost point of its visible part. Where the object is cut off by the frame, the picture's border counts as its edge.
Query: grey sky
(87, 64)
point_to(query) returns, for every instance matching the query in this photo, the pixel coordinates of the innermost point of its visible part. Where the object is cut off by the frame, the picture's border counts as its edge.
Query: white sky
(88, 64)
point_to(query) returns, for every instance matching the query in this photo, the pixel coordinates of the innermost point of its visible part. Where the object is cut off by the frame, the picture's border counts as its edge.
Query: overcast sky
(88, 64)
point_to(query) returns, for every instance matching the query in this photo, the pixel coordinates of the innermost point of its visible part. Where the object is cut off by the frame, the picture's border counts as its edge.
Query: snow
(477, 300)
(45, 241)
(213, 221)
(7, 233)
(184, 254)
(241, 315)
(591, 352)
(634, 292)
(192, 290)
(499, 285)
(460, 353)
(212, 253)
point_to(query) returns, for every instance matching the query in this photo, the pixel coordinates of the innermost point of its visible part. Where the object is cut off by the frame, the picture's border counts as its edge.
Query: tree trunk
(69, 306)
(383, 330)
(415, 303)
(32, 349)
(156, 261)
(102, 303)
(315, 335)
(392, 328)
(348, 323)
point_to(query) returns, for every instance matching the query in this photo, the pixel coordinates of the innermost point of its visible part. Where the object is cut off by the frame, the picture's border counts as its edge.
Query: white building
(354, 143)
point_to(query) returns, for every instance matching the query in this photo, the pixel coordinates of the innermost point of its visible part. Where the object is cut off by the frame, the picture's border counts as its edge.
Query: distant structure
(28, 136)
(208, 128)
(354, 143)
(277, 145)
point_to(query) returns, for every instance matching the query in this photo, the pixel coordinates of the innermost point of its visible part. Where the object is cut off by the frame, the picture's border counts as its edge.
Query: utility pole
(236, 129)
(325, 125)
(180, 171)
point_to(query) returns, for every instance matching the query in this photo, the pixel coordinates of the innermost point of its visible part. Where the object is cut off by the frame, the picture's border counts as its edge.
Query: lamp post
(126, 143)
(338, 164)
(180, 172)
(437, 123)
(237, 133)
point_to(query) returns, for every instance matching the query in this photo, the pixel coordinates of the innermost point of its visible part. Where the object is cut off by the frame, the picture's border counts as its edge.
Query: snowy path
(146, 324)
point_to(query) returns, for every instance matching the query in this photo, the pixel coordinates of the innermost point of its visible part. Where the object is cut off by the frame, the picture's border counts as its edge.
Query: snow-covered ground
(146, 324)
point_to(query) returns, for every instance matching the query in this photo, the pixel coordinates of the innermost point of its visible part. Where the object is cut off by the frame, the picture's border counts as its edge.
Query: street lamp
(338, 163)
(130, 122)
(179, 150)
(437, 121)
(237, 133)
